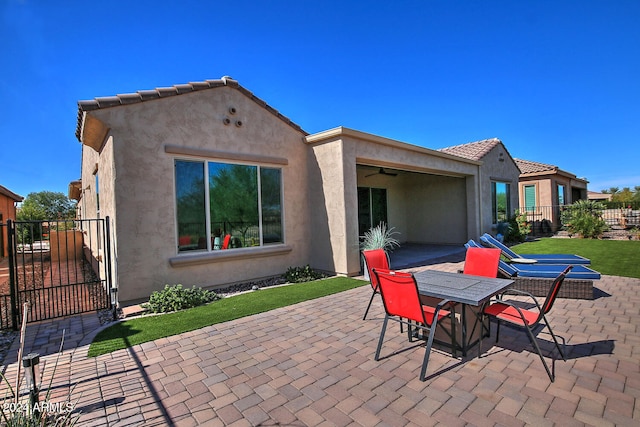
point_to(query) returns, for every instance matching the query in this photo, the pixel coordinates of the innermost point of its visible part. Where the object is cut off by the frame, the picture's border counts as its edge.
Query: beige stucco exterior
(497, 166)
(132, 147)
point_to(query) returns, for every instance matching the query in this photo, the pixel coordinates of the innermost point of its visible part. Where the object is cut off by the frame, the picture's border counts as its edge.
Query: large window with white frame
(226, 205)
(500, 201)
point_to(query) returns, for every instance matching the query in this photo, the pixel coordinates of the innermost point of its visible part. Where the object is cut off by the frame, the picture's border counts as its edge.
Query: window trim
(185, 259)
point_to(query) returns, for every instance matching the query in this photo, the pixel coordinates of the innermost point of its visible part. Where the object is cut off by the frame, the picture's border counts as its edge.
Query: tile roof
(527, 166)
(10, 194)
(164, 92)
(472, 150)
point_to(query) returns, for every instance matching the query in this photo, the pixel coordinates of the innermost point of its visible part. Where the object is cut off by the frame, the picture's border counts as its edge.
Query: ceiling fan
(381, 171)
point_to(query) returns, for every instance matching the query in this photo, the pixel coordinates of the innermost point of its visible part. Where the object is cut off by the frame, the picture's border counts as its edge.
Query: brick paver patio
(312, 364)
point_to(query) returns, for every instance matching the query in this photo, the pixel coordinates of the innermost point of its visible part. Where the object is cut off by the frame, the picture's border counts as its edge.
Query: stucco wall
(495, 169)
(144, 196)
(331, 199)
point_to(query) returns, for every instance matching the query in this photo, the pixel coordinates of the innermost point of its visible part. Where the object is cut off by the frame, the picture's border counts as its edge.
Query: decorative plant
(175, 297)
(584, 217)
(519, 228)
(379, 237)
(301, 274)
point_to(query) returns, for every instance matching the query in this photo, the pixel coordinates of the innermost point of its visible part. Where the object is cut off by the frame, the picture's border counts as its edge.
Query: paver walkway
(312, 364)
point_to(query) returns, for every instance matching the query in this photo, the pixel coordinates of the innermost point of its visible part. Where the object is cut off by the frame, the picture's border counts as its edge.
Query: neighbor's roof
(473, 150)
(10, 194)
(148, 95)
(528, 167)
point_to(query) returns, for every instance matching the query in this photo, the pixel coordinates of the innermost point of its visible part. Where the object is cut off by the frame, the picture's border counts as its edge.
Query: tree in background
(46, 205)
(625, 195)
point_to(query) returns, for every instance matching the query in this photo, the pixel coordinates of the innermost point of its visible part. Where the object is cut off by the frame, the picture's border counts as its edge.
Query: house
(599, 197)
(544, 189)
(8, 200)
(206, 184)
(498, 179)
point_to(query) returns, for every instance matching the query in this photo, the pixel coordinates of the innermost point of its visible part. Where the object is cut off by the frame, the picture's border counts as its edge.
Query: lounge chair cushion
(566, 259)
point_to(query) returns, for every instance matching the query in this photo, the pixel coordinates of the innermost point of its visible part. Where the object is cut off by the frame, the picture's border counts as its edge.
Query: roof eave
(341, 131)
(158, 93)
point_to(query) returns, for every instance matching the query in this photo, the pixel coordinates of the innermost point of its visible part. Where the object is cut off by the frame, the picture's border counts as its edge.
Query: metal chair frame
(527, 319)
(410, 296)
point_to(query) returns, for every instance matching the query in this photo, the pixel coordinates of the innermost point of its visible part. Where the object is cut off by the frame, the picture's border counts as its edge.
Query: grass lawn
(137, 331)
(611, 257)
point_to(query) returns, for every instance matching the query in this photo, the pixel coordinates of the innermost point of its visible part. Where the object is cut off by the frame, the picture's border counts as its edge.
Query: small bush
(175, 297)
(518, 229)
(584, 218)
(301, 274)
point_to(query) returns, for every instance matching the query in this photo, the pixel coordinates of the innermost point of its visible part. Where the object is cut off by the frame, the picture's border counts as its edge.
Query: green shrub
(584, 218)
(518, 229)
(175, 297)
(301, 274)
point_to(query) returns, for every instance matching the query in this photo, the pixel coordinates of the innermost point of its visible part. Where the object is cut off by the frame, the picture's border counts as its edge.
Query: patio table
(470, 292)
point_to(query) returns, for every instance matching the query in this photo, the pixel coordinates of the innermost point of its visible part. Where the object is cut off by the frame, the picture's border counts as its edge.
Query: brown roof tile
(527, 166)
(472, 150)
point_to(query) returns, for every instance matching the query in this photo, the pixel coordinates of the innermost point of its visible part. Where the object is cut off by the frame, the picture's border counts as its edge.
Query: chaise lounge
(537, 278)
(489, 241)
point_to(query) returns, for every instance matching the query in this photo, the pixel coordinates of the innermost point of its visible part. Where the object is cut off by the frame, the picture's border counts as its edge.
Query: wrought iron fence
(546, 220)
(60, 268)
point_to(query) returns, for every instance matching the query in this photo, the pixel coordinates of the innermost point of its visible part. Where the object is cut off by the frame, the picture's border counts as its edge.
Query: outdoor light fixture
(30, 363)
(501, 157)
(114, 302)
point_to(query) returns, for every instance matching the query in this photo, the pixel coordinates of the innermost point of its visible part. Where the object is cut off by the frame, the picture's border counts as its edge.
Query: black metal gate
(59, 268)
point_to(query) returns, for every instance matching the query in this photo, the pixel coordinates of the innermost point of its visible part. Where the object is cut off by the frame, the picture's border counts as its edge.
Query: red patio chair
(225, 242)
(401, 301)
(374, 258)
(512, 314)
(482, 262)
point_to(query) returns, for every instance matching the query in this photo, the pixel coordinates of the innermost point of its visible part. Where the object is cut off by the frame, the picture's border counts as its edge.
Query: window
(529, 198)
(372, 208)
(500, 202)
(243, 202)
(561, 195)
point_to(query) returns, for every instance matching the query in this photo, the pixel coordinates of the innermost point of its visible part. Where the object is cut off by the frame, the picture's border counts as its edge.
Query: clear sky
(557, 81)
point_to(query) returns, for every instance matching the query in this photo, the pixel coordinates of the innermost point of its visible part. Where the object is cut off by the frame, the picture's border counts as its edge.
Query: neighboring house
(8, 200)
(544, 189)
(599, 197)
(498, 179)
(179, 169)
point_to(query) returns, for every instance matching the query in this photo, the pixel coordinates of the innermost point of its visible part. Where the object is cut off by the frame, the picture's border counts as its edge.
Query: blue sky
(557, 81)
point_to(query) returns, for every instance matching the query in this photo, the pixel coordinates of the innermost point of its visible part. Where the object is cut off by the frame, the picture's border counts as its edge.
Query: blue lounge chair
(537, 278)
(513, 257)
(544, 271)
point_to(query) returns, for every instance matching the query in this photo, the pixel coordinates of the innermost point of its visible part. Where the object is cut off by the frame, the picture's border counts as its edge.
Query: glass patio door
(372, 208)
